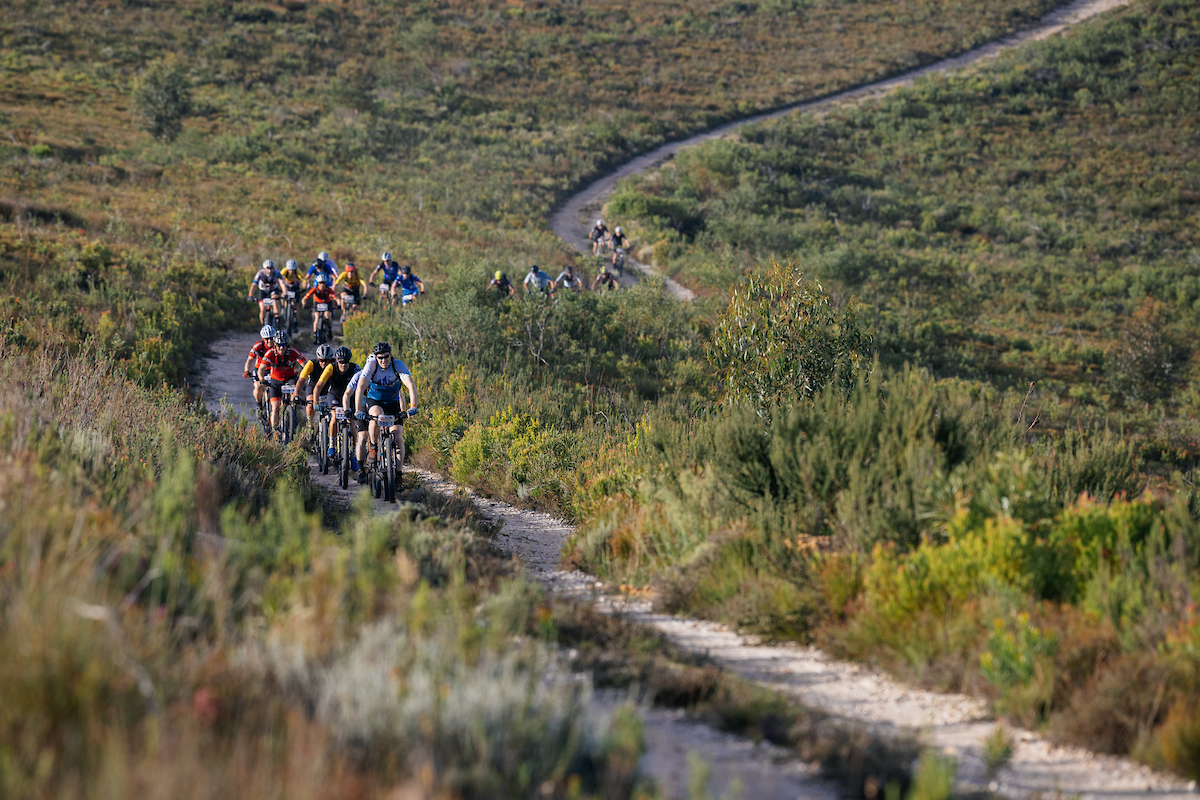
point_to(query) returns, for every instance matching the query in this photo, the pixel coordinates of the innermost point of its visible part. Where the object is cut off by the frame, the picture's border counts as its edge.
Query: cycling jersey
(598, 232)
(567, 280)
(321, 294)
(326, 268)
(501, 285)
(391, 271)
(291, 276)
(267, 280)
(259, 351)
(336, 381)
(538, 280)
(607, 279)
(351, 279)
(384, 382)
(410, 284)
(283, 365)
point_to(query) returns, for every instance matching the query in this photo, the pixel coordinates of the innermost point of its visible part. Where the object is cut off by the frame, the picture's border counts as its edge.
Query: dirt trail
(572, 221)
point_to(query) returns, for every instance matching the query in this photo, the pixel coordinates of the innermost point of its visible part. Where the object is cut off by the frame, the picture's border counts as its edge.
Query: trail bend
(571, 221)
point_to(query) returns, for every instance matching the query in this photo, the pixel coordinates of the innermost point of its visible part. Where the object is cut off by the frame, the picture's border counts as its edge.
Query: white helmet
(323, 255)
(268, 264)
(599, 222)
(618, 229)
(291, 264)
(267, 332)
(386, 256)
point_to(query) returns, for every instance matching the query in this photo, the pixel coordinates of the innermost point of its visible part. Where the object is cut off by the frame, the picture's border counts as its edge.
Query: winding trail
(571, 221)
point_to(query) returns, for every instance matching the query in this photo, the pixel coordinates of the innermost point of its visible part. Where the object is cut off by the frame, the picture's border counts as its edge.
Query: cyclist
(354, 286)
(410, 286)
(266, 281)
(333, 383)
(321, 294)
(501, 285)
(567, 279)
(539, 281)
(324, 359)
(378, 392)
(605, 279)
(358, 457)
(279, 368)
(598, 234)
(619, 239)
(291, 276)
(257, 353)
(391, 273)
(319, 267)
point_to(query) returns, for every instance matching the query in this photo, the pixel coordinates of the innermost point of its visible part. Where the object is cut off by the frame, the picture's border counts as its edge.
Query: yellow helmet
(498, 274)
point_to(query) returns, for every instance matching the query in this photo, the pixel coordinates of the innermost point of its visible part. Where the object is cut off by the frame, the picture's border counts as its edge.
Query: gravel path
(572, 221)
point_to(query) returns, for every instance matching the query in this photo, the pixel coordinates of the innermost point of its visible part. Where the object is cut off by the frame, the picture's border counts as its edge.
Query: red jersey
(283, 365)
(323, 294)
(259, 351)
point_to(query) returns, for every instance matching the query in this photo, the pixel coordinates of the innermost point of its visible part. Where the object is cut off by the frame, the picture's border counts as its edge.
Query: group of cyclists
(332, 381)
(374, 390)
(607, 278)
(320, 285)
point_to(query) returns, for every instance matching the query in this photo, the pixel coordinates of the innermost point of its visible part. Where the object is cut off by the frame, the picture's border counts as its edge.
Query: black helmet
(281, 338)
(342, 354)
(533, 267)
(325, 352)
(381, 348)
(407, 270)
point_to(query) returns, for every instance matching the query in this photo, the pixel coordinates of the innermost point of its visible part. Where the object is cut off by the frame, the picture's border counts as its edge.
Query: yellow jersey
(351, 279)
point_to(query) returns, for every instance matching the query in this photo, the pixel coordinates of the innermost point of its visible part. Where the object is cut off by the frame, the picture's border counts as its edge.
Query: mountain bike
(287, 311)
(385, 470)
(287, 422)
(271, 317)
(324, 436)
(619, 262)
(344, 438)
(264, 409)
(349, 306)
(324, 332)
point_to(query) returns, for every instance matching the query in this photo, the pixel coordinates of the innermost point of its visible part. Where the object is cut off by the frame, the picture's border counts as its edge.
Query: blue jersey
(326, 268)
(384, 382)
(409, 285)
(390, 271)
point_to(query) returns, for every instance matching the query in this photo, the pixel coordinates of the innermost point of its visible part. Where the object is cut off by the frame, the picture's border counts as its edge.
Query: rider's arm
(304, 373)
(406, 379)
(421, 283)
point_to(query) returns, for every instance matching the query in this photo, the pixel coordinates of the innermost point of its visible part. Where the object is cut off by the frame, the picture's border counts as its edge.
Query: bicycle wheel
(388, 454)
(347, 448)
(323, 445)
(377, 478)
(290, 317)
(289, 423)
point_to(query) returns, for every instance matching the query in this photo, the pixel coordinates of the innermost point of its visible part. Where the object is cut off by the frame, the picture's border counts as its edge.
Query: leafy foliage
(163, 98)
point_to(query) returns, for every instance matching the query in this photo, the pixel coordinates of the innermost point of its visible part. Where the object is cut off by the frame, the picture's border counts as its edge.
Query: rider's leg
(275, 404)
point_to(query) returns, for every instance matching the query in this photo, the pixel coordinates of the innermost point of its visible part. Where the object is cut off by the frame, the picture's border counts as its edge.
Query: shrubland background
(182, 610)
(858, 461)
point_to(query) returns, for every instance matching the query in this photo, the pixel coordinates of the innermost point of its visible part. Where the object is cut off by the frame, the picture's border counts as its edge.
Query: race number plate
(349, 298)
(322, 306)
(386, 420)
(291, 295)
(342, 414)
(384, 288)
(268, 302)
(287, 388)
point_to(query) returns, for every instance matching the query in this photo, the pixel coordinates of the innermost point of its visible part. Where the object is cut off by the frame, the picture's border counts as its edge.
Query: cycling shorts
(263, 294)
(387, 408)
(273, 386)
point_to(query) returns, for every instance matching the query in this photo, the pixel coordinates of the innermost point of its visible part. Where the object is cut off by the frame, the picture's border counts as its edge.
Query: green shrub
(163, 97)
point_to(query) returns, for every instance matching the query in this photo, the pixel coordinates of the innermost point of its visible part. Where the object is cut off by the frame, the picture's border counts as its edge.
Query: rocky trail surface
(573, 219)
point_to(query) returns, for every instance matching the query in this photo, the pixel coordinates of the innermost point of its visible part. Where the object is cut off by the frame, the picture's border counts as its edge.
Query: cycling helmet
(325, 352)
(291, 264)
(342, 354)
(386, 256)
(268, 264)
(499, 274)
(618, 229)
(281, 338)
(604, 267)
(406, 269)
(381, 348)
(322, 256)
(599, 222)
(533, 268)
(267, 332)
(351, 267)
(322, 278)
